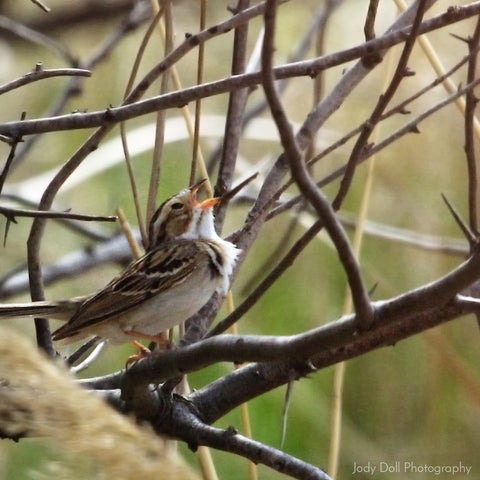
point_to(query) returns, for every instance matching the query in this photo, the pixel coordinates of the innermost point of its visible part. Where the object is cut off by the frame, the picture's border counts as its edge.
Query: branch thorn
(470, 236)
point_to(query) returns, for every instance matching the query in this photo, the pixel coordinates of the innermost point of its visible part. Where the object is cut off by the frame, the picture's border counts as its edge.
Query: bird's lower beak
(208, 203)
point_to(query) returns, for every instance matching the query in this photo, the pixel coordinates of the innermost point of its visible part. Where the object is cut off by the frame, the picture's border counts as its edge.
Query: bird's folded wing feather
(152, 274)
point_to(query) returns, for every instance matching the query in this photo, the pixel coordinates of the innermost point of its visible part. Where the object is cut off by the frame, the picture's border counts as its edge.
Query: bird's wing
(155, 272)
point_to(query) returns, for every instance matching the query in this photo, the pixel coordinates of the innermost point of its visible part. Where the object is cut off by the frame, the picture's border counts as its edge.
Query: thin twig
(39, 73)
(41, 5)
(400, 73)
(84, 229)
(81, 351)
(371, 59)
(226, 197)
(8, 162)
(198, 103)
(123, 133)
(184, 423)
(90, 359)
(369, 27)
(469, 235)
(237, 102)
(12, 213)
(157, 154)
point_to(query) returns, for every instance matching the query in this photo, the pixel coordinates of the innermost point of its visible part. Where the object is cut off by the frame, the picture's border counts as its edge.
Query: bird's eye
(177, 206)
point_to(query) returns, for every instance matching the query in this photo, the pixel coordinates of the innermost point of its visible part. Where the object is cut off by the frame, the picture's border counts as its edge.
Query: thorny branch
(305, 182)
(401, 72)
(470, 122)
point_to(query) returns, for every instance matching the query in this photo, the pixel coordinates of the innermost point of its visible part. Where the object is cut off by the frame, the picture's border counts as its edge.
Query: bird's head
(183, 216)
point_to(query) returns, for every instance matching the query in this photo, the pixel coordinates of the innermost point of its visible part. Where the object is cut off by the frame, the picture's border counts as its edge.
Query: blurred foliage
(401, 403)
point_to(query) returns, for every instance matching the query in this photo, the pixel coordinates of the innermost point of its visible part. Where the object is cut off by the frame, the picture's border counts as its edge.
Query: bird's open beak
(206, 204)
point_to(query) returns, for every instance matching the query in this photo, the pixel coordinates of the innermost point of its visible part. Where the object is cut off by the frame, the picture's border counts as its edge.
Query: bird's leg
(153, 338)
(143, 351)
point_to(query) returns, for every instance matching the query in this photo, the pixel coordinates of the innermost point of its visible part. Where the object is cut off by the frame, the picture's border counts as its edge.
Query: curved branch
(250, 381)
(42, 327)
(182, 422)
(305, 182)
(39, 73)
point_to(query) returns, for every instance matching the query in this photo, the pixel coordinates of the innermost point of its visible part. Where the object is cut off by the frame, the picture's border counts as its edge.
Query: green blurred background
(417, 401)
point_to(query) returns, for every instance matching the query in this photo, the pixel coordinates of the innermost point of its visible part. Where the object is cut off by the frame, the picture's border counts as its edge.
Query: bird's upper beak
(206, 204)
(196, 186)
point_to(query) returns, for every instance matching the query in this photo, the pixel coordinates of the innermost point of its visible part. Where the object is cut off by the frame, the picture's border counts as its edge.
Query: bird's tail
(60, 310)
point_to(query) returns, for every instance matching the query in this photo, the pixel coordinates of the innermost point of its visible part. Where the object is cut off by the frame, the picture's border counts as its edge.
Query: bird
(185, 263)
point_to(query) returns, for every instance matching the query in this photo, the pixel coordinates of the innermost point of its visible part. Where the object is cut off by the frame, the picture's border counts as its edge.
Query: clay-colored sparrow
(186, 263)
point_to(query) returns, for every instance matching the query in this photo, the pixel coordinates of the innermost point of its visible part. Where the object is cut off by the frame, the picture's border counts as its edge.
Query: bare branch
(218, 398)
(41, 5)
(470, 103)
(369, 27)
(8, 162)
(306, 183)
(39, 73)
(181, 421)
(236, 107)
(19, 212)
(361, 143)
